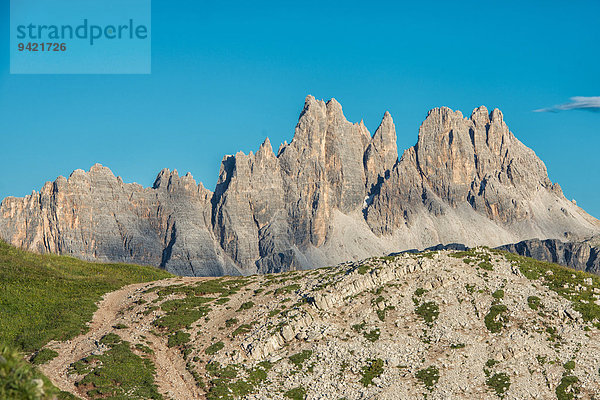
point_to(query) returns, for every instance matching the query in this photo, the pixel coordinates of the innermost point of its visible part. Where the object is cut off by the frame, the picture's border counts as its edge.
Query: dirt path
(119, 306)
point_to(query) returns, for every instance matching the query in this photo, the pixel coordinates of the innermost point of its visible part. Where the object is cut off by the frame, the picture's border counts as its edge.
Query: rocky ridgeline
(581, 254)
(333, 194)
(471, 324)
(328, 294)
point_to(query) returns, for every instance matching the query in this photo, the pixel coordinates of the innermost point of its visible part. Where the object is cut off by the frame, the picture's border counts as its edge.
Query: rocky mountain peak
(100, 169)
(480, 116)
(333, 194)
(265, 151)
(163, 177)
(382, 152)
(334, 110)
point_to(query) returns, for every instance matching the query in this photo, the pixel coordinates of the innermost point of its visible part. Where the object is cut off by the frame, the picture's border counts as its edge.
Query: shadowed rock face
(335, 193)
(583, 255)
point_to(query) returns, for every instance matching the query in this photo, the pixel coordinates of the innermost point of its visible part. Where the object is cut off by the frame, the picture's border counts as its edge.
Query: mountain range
(335, 193)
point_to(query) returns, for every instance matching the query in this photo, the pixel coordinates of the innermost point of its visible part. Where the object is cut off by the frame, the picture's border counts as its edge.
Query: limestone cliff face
(583, 255)
(333, 194)
(95, 216)
(269, 209)
(460, 165)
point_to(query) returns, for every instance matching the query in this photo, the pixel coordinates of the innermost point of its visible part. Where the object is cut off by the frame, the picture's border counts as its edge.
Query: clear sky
(227, 74)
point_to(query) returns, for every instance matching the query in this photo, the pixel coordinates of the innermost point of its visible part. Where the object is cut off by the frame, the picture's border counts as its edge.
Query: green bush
(298, 393)
(230, 322)
(287, 289)
(496, 318)
(499, 383)
(564, 282)
(486, 265)
(569, 365)
(118, 373)
(19, 380)
(43, 356)
(429, 376)
(246, 306)
(567, 388)
(214, 348)
(178, 338)
(299, 358)
(498, 294)
(372, 335)
(429, 311)
(244, 328)
(109, 339)
(372, 370)
(534, 302)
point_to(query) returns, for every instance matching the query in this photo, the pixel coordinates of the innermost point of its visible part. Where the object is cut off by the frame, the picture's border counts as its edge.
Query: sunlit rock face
(335, 193)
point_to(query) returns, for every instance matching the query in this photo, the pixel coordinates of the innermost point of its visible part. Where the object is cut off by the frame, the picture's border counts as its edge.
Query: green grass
(299, 358)
(230, 322)
(117, 374)
(486, 265)
(569, 365)
(182, 313)
(372, 370)
(564, 282)
(498, 294)
(49, 297)
(463, 254)
(222, 300)
(298, 393)
(491, 362)
(567, 388)
(499, 383)
(244, 328)
(224, 287)
(534, 302)
(214, 348)
(20, 380)
(43, 356)
(246, 306)
(429, 376)
(372, 335)
(429, 311)
(144, 349)
(363, 269)
(178, 338)
(234, 381)
(287, 289)
(359, 327)
(496, 318)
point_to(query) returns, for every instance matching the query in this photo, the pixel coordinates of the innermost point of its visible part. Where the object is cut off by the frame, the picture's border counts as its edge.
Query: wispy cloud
(576, 103)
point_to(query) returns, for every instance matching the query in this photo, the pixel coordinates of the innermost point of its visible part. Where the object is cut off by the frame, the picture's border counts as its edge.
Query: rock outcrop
(335, 193)
(95, 216)
(583, 255)
(477, 324)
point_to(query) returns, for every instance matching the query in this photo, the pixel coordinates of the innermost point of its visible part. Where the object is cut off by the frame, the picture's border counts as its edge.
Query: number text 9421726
(43, 46)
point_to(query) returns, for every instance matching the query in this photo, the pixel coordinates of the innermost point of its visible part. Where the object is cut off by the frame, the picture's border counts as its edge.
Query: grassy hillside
(474, 324)
(479, 324)
(19, 380)
(49, 297)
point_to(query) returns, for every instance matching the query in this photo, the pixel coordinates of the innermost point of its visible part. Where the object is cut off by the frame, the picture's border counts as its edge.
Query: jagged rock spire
(333, 194)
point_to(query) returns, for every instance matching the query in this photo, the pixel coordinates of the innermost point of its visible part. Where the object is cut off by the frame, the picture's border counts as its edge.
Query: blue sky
(225, 76)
